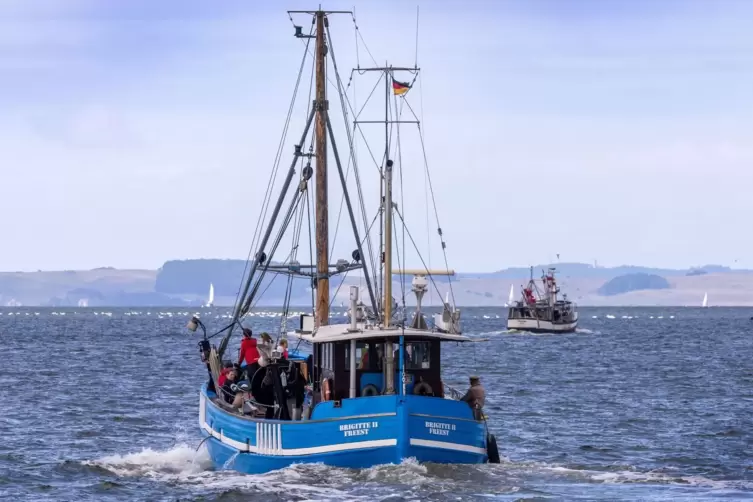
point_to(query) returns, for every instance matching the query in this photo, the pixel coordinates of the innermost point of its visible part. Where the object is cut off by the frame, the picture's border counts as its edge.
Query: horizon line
(515, 267)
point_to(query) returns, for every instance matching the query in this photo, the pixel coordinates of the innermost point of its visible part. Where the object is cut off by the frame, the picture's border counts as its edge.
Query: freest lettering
(439, 428)
(357, 429)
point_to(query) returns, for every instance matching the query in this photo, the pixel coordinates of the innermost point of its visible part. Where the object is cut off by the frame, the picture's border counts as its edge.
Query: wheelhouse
(366, 361)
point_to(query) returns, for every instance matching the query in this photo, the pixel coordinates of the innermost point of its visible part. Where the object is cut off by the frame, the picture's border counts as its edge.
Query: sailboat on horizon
(511, 297)
(210, 301)
(705, 300)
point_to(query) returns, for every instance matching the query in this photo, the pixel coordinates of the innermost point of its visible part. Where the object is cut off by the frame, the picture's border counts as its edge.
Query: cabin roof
(341, 332)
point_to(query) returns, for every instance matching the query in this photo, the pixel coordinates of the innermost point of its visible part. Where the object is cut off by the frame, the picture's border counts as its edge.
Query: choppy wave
(627, 408)
(184, 465)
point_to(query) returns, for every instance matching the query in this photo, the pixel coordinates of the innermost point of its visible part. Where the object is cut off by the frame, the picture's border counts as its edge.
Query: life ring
(492, 452)
(326, 389)
(423, 389)
(370, 390)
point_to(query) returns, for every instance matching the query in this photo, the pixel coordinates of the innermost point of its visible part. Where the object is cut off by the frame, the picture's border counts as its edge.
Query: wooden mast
(322, 215)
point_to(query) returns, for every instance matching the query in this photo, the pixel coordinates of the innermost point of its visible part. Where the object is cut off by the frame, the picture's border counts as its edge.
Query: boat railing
(451, 392)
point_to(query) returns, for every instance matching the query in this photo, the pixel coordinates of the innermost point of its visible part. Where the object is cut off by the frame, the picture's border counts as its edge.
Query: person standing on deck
(248, 358)
(476, 396)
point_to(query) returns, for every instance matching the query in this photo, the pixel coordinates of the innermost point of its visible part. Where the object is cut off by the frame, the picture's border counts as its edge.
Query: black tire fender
(492, 452)
(370, 390)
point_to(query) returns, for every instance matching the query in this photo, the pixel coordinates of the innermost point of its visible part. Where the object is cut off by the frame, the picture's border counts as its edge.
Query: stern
(443, 431)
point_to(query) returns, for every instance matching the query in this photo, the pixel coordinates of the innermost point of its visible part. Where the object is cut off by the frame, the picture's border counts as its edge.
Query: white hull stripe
(269, 441)
(330, 448)
(447, 446)
(379, 443)
(277, 450)
(515, 323)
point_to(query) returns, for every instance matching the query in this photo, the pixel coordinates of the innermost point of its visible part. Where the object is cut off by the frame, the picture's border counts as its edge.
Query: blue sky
(136, 132)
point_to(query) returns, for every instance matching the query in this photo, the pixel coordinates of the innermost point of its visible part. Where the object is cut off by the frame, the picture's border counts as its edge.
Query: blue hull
(360, 433)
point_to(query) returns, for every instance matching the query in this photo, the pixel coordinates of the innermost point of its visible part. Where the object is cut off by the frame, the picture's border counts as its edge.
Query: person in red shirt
(223, 373)
(248, 357)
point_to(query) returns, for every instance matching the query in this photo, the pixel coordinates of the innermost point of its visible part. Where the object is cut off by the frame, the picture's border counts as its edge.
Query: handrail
(454, 393)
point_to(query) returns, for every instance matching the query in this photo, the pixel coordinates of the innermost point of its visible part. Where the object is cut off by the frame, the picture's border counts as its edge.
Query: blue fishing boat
(362, 393)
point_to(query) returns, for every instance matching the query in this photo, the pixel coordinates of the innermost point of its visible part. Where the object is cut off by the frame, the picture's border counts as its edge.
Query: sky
(136, 132)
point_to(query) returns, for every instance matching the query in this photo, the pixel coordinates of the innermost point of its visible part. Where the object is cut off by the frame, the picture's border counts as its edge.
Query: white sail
(511, 298)
(705, 300)
(210, 302)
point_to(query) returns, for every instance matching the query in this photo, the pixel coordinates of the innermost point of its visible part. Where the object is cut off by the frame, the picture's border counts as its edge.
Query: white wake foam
(628, 475)
(183, 465)
(179, 460)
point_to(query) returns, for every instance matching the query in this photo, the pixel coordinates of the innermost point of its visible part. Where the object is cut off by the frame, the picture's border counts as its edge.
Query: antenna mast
(387, 176)
(386, 192)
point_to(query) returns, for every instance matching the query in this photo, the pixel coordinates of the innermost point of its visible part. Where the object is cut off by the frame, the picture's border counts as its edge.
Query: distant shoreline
(185, 284)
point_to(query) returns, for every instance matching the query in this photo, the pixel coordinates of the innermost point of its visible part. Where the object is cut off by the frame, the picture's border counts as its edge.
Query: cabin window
(417, 355)
(327, 356)
(363, 355)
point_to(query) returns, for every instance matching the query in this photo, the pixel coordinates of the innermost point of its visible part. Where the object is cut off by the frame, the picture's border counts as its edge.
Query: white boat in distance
(539, 313)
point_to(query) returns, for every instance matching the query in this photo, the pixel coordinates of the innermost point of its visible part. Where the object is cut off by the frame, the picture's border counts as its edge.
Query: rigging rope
(397, 211)
(402, 196)
(273, 176)
(347, 101)
(416, 63)
(344, 98)
(294, 209)
(268, 261)
(293, 255)
(401, 266)
(358, 32)
(311, 243)
(343, 280)
(352, 155)
(426, 181)
(433, 198)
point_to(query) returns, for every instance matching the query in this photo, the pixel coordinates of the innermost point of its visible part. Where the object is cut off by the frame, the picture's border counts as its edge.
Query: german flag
(399, 88)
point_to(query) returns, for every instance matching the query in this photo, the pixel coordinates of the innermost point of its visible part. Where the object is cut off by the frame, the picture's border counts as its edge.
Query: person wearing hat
(476, 395)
